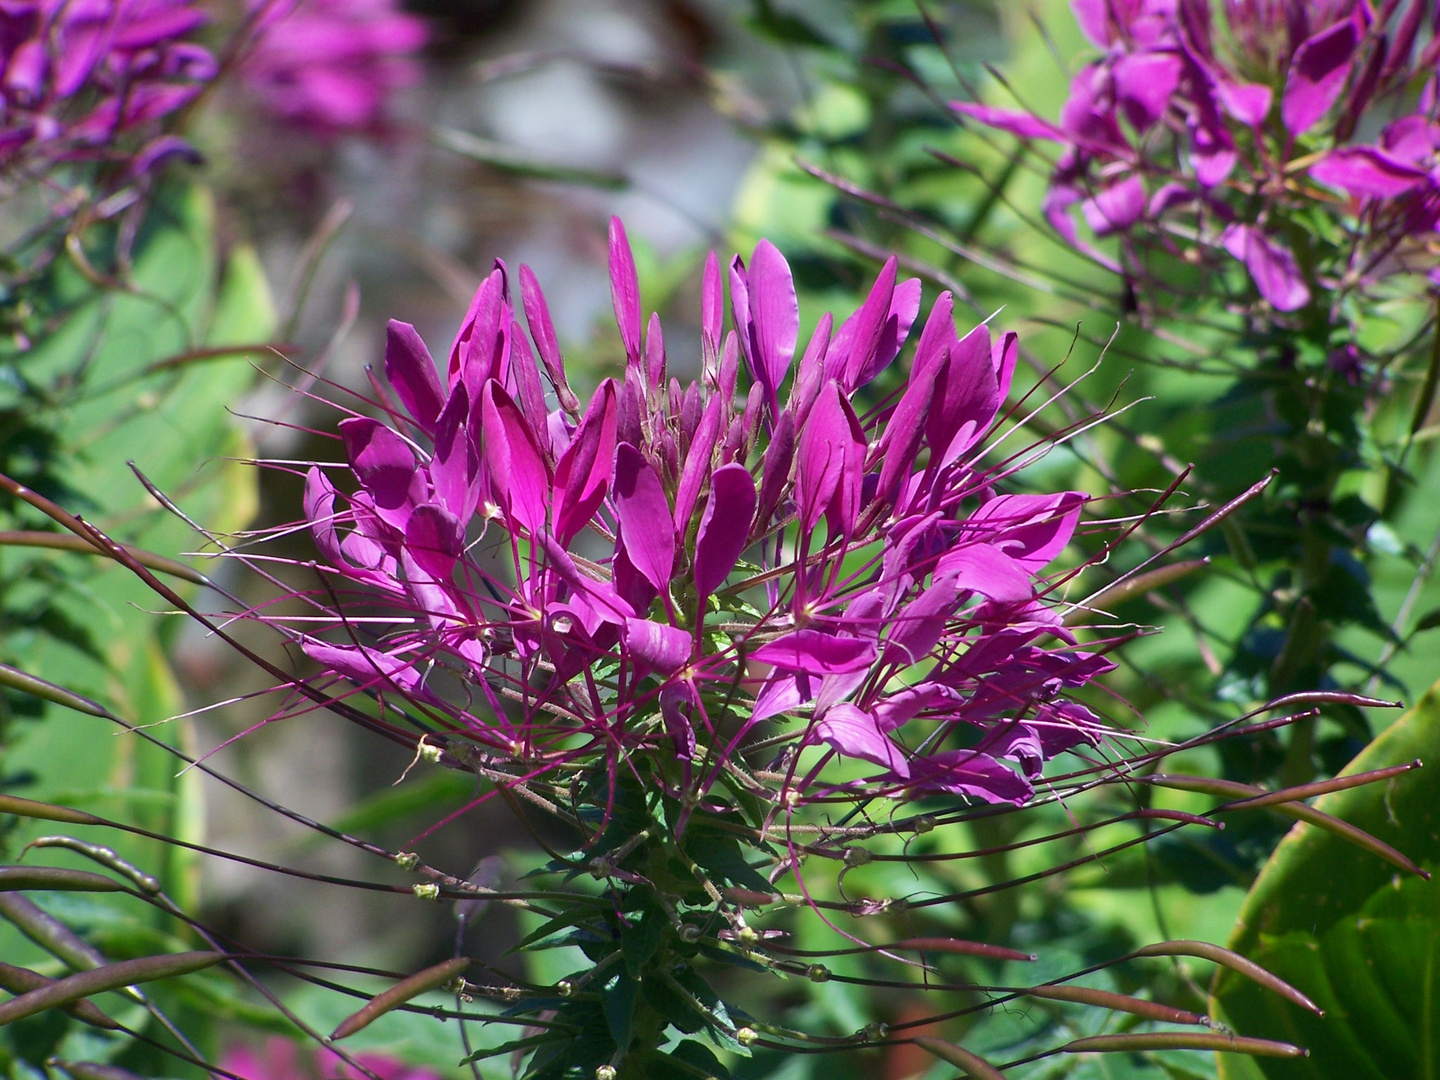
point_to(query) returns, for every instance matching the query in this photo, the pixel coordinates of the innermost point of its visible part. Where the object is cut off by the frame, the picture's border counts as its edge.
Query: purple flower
(91, 79)
(1191, 129)
(672, 567)
(331, 65)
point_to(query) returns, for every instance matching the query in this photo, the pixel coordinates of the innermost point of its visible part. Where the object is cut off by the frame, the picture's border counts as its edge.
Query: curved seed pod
(964, 948)
(1324, 787)
(1184, 1040)
(104, 856)
(65, 542)
(1218, 954)
(976, 1067)
(1105, 999)
(401, 992)
(20, 980)
(29, 808)
(1230, 789)
(36, 687)
(110, 977)
(19, 878)
(49, 932)
(1090, 609)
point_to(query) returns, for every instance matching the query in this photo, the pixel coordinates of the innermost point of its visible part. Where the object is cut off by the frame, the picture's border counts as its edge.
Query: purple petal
(859, 335)
(1017, 123)
(411, 371)
(712, 311)
(917, 627)
(775, 470)
(904, 307)
(455, 467)
(820, 456)
(655, 352)
(1317, 75)
(542, 329)
(1031, 529)
(472, 356)
(724, 527)
(434, 538)
(774, 318)
(697, 464)
(1247, 102)
(1272, 267)
(659, 648)
(625, 290)
(385, 466)
(1003, 355)
(814, 653)
(363, 665)
(981, 569)
(517, 469)
(674, 697)
(529, 394)
(903, 434)
(1367, 172)
(1144, 83)
(811, 375)
(937, 337)
(965, 772)
(1116, 208)
(856, 734)
(644, 514)
(965, 398)
(319, 504)
(582, 475)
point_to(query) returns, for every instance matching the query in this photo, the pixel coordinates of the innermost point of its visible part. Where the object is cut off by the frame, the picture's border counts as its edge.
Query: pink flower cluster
(280, 1060)
(823, 554)
(78, 75)
(1206, 130)
(331, 65)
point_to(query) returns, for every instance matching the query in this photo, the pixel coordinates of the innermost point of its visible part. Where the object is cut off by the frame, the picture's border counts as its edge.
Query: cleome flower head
(791, 555)
(1200, 125)
(83, 79)
(330, 66)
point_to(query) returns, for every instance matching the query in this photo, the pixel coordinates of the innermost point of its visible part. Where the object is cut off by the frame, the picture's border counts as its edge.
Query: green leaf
(1343, 928)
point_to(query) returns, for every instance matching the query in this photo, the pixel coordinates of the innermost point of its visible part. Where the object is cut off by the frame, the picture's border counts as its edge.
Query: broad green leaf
(1345, 929)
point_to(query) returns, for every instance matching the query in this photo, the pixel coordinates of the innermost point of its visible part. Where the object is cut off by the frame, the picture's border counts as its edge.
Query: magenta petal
(434, 538)
(674, 697)
(1017, 123)
(724, 527)
(697, 464)
(916, 628)
(966, 772)
(855, 342)
(582, 475)
(625, 290)
(1116, 208)
(385, 466)
(455, 465)
(1247, 102)
(655, 352)
(774, 317)
(362, 665)
(937, 337)
(1031, 529)
(644, 514)
(529, 394)
(965, 398)
(1272, 266)
(904, 307)
(1003, 355)
(775, 470)
(855, 733)
(814, 653)
(820, 456)
(411, 371)
(473, 352)
(542, 330)
(1144, 83)
(903, 435)
(1366, 171)
(518, 474)
(660, 648)
(319, 504)
(1317, 75)
(712, 309)
(979, 568)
